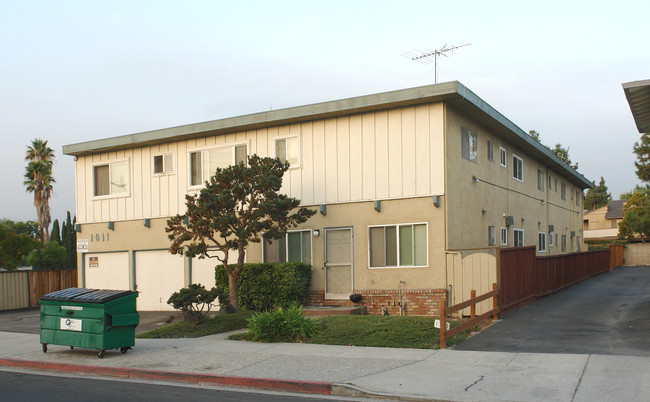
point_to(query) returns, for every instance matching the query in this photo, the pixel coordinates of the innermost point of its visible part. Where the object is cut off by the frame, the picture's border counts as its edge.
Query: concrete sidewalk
(350, 371)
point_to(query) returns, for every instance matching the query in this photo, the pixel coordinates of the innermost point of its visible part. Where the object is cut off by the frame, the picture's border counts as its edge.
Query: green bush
(191, 301)
(50, 256)
(281, 325)
(263, 287)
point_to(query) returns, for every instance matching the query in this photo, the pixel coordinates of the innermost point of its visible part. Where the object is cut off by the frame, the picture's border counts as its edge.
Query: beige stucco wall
(473, 206)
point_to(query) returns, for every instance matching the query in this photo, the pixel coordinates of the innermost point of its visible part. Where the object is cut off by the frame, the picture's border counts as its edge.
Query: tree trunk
(232, 289)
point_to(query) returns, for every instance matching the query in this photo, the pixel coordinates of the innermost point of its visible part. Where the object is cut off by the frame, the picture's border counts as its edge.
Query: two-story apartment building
(399, 179)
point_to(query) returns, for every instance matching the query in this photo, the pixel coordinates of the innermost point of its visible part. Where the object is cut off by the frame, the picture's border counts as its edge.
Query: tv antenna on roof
(424, 57)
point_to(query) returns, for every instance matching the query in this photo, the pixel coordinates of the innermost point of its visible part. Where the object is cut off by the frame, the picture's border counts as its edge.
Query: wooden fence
(23, 289)
(525, 277)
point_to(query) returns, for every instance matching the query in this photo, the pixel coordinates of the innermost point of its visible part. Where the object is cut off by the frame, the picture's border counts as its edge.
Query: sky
(75, 71)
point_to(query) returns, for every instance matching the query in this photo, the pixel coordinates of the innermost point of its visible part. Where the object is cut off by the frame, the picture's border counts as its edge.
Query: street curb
(268, 384)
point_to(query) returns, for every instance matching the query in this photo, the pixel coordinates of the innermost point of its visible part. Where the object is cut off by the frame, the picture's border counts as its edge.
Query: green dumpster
(89, 318)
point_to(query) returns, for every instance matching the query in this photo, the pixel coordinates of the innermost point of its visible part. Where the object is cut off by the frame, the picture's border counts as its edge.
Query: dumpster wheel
(125, 349)
(101, 353)
(45, 348)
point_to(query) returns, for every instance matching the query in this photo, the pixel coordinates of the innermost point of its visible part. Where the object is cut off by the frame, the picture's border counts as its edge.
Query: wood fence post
(494, 302)
(472, 309)
(443, 324)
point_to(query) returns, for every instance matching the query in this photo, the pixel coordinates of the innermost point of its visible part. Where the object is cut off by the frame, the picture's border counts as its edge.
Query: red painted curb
(308, 387)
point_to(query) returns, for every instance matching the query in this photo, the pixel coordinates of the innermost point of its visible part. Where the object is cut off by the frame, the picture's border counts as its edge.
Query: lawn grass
(208, 326)
(379, 331)
(349, 330)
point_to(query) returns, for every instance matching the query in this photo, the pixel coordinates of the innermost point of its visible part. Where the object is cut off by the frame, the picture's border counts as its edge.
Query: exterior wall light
(316, 233)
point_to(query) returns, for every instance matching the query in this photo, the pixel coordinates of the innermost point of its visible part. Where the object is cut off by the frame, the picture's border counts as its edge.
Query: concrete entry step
(319, 311)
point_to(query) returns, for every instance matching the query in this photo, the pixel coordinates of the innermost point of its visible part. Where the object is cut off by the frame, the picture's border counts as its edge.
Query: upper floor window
(517, 168)
(540, 180)
(502, 156)
(469, 151)
(163, 164)
(490, 150)
(578, 196)
(204, 164)
(295, 246)
(398, 245)
(550, 183)
(563, 191)
(288, 150)
(111, 179)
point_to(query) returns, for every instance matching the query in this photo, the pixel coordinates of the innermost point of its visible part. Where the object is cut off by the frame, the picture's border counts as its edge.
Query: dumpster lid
(83, 295)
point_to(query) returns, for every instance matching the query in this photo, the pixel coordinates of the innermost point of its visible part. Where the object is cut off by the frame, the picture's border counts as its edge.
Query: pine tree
(642, 151)
(55, 235)
(597, 196)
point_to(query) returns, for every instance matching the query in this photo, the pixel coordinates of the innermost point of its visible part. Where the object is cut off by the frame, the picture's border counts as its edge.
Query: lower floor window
(491, 236)
(518, 238)
(541, 242)
(398, 245)
(504, 236)
(293, 247)
(550, 239)
(563, 242)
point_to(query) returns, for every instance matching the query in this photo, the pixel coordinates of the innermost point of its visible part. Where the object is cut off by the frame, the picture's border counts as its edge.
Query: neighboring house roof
(453, 93)
(615, 209)
(638, 96)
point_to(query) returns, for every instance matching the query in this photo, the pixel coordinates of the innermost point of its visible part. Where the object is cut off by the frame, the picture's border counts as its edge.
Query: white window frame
(165, 171)
(397, 227)
(541, 242)
(521, 236)
(503, 157)
(540, 180)
(286, 246)
(550, 239)
(519, 161)
(504, 236)
(472, 145)
(202, 152)
(286, 147)
(127, 193)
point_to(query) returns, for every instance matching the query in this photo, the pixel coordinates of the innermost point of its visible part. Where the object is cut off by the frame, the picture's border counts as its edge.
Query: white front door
(338, 263)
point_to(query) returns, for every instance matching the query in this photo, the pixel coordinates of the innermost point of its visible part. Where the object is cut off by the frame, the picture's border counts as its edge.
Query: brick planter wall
(414, 301)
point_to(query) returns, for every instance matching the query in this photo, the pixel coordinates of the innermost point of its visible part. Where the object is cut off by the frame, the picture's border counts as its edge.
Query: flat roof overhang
(453, 93)
(638, 97)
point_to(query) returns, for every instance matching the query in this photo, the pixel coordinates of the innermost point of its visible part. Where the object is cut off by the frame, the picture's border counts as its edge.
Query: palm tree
(39, 180)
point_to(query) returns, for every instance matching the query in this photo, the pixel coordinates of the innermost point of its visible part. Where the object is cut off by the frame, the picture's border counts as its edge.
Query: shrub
(50, 256)
(191, 301)
(266, 286)
(281, 325)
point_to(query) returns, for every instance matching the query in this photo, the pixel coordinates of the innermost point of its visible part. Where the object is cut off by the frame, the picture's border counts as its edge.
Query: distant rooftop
(615, 209)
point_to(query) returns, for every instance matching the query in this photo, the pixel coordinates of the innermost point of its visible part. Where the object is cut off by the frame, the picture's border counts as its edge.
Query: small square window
(288, 150)
(111, 179)
(163, 164)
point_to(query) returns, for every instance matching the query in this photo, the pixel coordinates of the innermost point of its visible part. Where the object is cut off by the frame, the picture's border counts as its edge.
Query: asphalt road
(608, 314)
(19, 386)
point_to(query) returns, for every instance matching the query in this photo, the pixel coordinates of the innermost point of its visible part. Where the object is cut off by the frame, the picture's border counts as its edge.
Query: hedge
(263, 287)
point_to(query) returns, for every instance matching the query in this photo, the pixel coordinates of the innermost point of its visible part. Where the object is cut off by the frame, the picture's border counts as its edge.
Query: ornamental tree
(597, 196)
(636, 217)
(238, 205)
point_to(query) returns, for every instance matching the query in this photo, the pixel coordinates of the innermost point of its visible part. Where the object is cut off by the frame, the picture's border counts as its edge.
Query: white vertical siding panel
(147, 185)
(356, 158)
(182, 177)
(343, 159)
(368, 155)
(437, 147)
(422, 151)
(395, 171)
(81, 189)
(288, 179)
(331, 161)
(318, 133)
(307, 163)
(173, 190)
(383, 164)
(409, 172)
(136, 183)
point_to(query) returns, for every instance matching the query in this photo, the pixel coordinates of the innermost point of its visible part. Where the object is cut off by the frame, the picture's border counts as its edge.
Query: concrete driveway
(29, 321)
(608, 314)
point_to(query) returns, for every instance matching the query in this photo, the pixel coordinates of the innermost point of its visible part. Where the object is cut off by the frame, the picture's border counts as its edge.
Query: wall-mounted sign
(93, 262)
(82, 245)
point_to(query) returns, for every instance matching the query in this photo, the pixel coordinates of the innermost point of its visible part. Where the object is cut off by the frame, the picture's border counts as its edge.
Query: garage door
(158, 274)
(107, 271)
